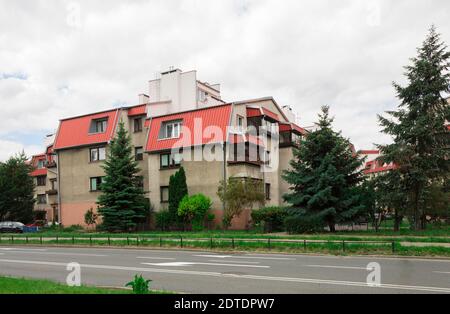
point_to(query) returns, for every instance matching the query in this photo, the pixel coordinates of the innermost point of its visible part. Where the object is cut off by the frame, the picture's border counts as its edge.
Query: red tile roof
(261, 111)
(39, 172)
(137, 110)
(369, 152)
(218, 116)
(291, 127)
(74, 132)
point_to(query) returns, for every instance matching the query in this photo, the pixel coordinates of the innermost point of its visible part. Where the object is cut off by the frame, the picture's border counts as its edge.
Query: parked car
(11, 227)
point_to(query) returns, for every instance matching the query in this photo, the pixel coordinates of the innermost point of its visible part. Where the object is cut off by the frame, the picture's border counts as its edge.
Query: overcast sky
(63, 58)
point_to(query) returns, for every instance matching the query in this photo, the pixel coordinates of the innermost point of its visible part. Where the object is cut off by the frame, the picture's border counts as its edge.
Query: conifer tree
(177, 191)
(421, 141)
(122, 202)
(324, 176)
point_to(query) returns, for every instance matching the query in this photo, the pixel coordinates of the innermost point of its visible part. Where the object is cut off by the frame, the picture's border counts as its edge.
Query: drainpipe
(58, 176)
(224, 149)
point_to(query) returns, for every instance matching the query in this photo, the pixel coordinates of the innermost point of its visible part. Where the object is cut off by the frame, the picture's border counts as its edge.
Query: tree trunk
(332, 227)
(397, 220)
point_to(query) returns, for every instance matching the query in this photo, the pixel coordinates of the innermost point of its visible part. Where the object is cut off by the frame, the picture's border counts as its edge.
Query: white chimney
(143, 99)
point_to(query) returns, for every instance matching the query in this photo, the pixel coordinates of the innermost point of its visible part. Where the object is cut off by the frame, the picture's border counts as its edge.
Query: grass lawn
(10, 285)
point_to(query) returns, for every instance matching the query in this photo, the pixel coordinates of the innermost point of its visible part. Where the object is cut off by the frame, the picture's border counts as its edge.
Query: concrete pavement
(223, 273)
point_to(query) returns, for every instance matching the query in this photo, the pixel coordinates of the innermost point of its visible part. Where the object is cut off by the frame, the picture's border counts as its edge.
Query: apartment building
(45, 178)
(182, 121)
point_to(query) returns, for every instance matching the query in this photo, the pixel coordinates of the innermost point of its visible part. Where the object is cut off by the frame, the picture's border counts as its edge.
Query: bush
(271, 219)
(297, 221)
(139, 285)
(194, 209)
(163, 220)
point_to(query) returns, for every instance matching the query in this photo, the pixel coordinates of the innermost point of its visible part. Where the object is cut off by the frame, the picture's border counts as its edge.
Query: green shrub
(270, 219)
(139, 285)
(194, 209)
(163, 220)
(297, 221)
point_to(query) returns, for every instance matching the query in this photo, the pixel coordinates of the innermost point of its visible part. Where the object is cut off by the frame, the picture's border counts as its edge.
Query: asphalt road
(224, 273)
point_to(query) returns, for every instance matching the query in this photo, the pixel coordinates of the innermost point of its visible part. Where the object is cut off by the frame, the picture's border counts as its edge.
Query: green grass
(10, 285)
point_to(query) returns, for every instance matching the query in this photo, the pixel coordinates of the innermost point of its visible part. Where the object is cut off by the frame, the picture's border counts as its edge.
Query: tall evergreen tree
(324, 175)
(177, 191)
(122, 202)
(421, 142)
(16, 190)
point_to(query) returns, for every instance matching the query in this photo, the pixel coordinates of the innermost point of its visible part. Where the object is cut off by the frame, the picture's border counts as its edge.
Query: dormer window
(170, 129)
(40, 164)
(99, 125)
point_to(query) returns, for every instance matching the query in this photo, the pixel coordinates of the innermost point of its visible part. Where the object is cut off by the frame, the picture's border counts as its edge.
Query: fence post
(90, 240)
(181, 242)
(160, 241)
(393, 247)
(109, 240)
(232, 242)
(128, 240)
(12, 239)
(268, 243)
(41, 240)
(343, 246)
(137, 241)
(26, 238)
(304, 245)
(211, 243)
(57, 240)
(73, 240)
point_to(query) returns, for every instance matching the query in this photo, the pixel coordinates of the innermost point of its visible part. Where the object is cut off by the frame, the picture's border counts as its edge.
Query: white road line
(247, 257)
(442, 272)
(221, 261)
(151, 257)
(339, 267)
(216, 274)
(59, 253)
(181, 264)
(21, 249)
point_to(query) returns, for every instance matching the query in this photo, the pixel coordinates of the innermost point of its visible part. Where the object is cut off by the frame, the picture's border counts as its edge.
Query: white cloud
(304, 53)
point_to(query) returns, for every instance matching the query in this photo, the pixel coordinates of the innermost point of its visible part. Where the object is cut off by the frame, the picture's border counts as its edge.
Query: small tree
(238, 194)
(194, 208)
(90, 218)
(122, 202)
(177, 191)
(16, 190)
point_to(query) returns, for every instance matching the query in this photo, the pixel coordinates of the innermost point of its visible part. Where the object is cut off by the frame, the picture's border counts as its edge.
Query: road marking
(21, 249)
(151, 257)
(221, 261)
(339, 267)
(442, 272)
(178, 264)
(60, 253)
(216, 274)
(247, 257)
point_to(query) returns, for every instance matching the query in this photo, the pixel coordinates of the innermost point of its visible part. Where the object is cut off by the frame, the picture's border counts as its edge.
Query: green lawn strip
(9, 285)
(263, 245)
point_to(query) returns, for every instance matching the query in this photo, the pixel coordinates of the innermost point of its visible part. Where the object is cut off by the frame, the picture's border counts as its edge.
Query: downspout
(227, 139)
(58, 176)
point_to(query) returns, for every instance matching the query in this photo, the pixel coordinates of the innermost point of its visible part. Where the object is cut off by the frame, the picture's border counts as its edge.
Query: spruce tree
(324, 176)
(122, 202)
(16, 190)
(421, 142)
(177, 191)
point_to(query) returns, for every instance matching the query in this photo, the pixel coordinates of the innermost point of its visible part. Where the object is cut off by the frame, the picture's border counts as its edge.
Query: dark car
(11, 227)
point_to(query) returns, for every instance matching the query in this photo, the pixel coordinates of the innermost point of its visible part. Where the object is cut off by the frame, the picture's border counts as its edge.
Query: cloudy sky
(62, 58)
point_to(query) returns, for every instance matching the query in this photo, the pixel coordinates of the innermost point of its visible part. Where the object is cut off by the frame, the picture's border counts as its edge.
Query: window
(202, 95)
(170, 130)
(240, 123)
(170, 160)
(140, 182)
(164, 193)
(99, 126)
(42, 199)
(41, 180)
(267, 157)
(268, 191)
(97, 154)
(96, 182)
(53, 184)
(139, 153)
(41, 164)
(137, 125)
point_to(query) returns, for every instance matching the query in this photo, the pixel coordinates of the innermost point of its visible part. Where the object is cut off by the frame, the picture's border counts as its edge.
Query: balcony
(51, 164)
(52, 192)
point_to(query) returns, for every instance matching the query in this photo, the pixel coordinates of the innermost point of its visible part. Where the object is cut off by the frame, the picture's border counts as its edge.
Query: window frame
(171, 161)
(267, 190)
(98, 189)
(138, 125)
(39, 182)
(95, 123)
(98, 154)
(161, 189)
(41, 197)
(136, 155)
(174, 125)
